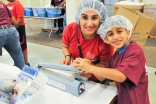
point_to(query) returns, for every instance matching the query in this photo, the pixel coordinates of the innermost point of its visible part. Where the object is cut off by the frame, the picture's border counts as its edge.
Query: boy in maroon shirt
(127, 67)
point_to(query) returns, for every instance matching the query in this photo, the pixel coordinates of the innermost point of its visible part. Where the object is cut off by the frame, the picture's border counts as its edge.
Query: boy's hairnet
(114, 21)
(94, 5)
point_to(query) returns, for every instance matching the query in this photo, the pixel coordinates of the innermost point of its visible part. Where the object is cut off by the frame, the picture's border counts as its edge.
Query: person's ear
(106, 40)
(128, 34)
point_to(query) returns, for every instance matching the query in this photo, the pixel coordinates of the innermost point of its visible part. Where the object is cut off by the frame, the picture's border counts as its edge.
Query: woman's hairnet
(94, 5)
(114, 21)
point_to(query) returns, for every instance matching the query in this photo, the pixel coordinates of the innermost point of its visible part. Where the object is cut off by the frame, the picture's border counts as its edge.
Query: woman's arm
(62, 4)
(67, 59)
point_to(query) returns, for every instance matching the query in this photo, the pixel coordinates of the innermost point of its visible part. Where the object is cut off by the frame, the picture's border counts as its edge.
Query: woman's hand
(82, 64)
(66, 61)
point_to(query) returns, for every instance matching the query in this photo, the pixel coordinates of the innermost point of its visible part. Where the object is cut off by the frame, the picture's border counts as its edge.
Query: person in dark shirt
(56, 3)
(9, 37)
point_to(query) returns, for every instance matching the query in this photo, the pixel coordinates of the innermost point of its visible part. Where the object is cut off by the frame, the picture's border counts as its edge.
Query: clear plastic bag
(37, 98)
(24, 80)
(30, 96)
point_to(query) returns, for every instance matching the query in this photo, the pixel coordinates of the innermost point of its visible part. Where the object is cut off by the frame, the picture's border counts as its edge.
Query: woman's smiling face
(89, 23)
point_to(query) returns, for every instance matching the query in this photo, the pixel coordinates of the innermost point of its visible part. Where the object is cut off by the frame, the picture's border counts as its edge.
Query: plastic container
(53, 12)
(28, 11)
(42, 12)
(35, 12)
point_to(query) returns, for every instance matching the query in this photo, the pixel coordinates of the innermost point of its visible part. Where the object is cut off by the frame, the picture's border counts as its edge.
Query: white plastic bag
(31, 94)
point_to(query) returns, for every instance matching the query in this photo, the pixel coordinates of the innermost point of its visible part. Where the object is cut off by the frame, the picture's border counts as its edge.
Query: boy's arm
(100, 64)
(14, 21)
(19, 21)
(112, 74)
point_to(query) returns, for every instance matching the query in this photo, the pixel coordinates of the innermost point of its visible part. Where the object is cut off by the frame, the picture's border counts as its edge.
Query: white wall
(71, 6)
(45, 2)
(149, 1)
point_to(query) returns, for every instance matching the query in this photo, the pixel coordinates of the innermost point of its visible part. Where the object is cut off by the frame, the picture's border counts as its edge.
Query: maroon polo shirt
(132, 64)
(5, 15)
(58, 2)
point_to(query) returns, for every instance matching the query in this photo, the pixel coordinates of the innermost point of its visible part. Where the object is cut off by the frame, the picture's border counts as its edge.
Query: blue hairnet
(114, 21)
(94, 5)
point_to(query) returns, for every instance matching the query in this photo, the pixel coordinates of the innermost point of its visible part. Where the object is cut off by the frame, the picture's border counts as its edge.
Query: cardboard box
(150, 10)
(131, 5)
(142, 24)
(152, 33)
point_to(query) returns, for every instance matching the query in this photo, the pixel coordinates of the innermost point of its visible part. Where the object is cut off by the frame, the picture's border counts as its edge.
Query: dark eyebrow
(116, 29)
(93, 15)
(83, 14)
(108, 32)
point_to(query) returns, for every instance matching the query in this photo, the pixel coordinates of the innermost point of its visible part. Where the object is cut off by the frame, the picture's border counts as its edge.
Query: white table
(45, 18)
(95, 93)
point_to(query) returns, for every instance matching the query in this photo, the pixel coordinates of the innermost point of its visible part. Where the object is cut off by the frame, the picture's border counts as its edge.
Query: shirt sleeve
(19, 11)
(131, 67)
(106, 52)
(65, 38)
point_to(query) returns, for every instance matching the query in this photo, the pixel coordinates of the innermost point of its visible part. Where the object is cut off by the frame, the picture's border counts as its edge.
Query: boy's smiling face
(118, 37)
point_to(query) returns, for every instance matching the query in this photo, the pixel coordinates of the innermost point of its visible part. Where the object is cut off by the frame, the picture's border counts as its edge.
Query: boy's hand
(85, 74)
(82, 64)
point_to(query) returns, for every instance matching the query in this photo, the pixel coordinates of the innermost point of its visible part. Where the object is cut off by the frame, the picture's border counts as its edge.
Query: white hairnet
(114, 21)
(94, 5)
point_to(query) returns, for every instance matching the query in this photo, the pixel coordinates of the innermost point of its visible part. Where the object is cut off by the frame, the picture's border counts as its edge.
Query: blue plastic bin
(42, 12)
(53, 12)
(35, 12)
(28, 11)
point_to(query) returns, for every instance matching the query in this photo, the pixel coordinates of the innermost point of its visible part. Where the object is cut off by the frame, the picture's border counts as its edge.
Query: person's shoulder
(70, 29)
(100, 40)
(72, 26)
(17, 3)
(2, 3)
(135, 48)
(134, 45)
